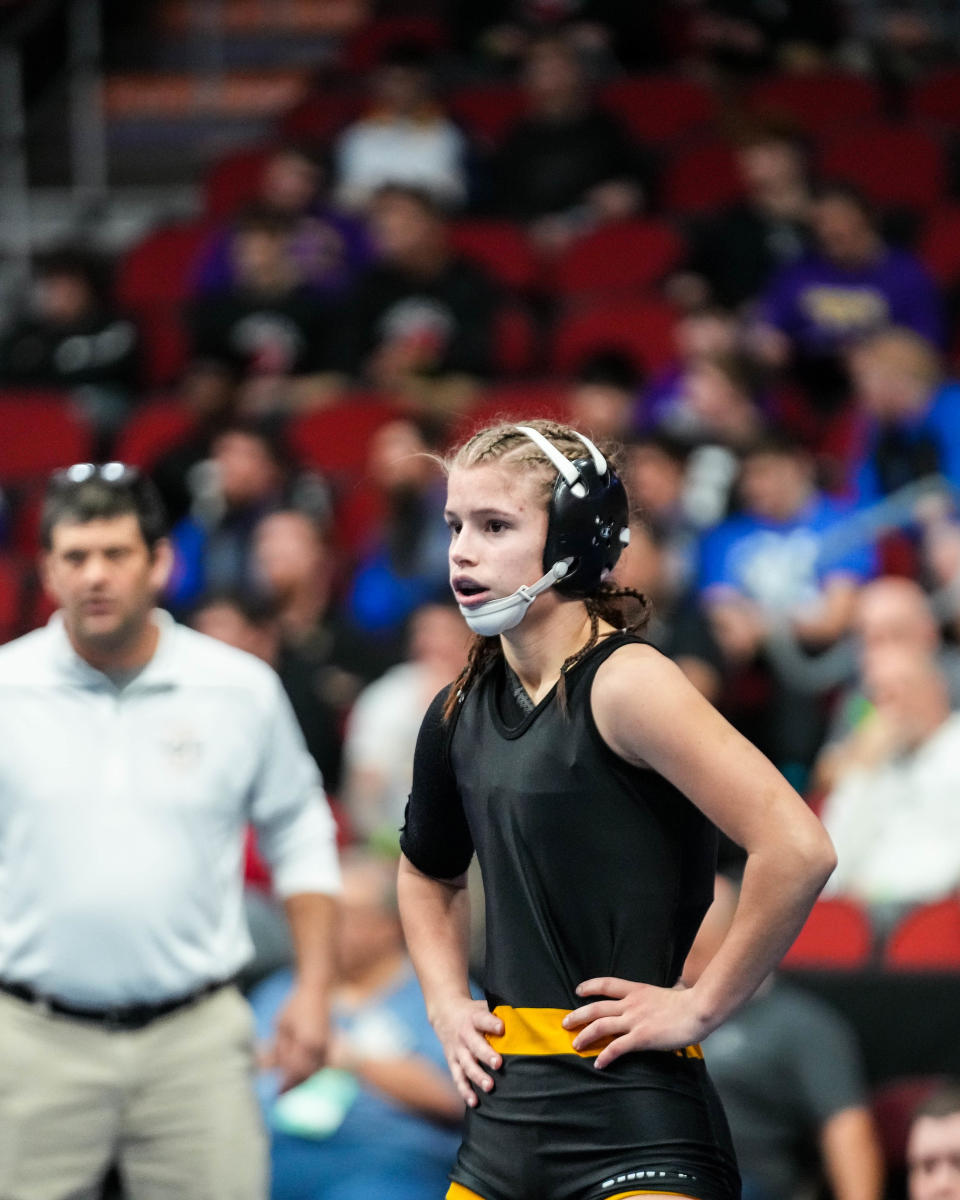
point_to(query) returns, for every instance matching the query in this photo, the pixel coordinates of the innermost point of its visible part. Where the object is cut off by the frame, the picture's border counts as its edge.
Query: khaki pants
(172, 1104)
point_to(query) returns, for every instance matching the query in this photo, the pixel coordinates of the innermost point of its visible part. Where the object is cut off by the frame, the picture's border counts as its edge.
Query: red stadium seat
(627, 256)
(939, 246)
(152, 429)
(487, 110)
(321, 115)
(836, 934)
(895, 164)
(894, 1103)
(12, 594)
(701, 177)
(641, 329)
(937, 99)
(512, 402)
(367, 47)
(927, 939)
(816, 103)
(516, 340)
(659, 108)
(234, 181)
(159, 269)
(39, 433)
(335, 440)
(502, 248)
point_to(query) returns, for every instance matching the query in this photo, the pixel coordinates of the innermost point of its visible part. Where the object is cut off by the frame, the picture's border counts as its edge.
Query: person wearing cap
(135, 752)
(588, 774)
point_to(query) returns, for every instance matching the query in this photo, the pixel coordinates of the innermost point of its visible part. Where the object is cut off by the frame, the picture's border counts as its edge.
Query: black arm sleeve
(435, 836)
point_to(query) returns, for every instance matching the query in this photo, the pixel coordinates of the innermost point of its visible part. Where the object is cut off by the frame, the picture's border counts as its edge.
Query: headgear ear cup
(588, 518)
(587, 529)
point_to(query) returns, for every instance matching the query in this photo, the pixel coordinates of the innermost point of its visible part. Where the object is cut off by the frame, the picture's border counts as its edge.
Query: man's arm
(303, 1026)
(852, 1158)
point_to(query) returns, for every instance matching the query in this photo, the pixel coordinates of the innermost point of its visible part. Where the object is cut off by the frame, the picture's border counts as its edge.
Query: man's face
(106, 580)
(933, 1158)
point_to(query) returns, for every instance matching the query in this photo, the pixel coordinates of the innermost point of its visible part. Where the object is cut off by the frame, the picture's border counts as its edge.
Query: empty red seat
(659, 108)
(513, 402)
(626, 256)
(816, 103)
(516, 340)
(487, 110)
(374, 39)
(939, 245)
(928, 938)
(152, 429)
(12, 592)
(837, 933)
(234, 181)
(894, 1103)
(641, 329)
(321, 115)
(159, 268)
(502, 248)
(335, 440)
(937, 98)
(40, 432)
(894, 163)
(701, 177)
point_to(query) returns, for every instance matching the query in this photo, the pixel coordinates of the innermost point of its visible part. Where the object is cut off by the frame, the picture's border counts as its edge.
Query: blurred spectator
(790, 1074)
(785, 559)
(678, 626)
(704, 333)
(744, 38)
(654, 468)
(405, 139)
(327, 246)
(933, 1146)
(891, 612)
(893, 813)
(912, 414)
(716, 401)
(406, 565)
(775, 559)
(250, 623)
(382, 1119)
(384, 723)
(422, 313)
(736, 252)
(568, 165)
(293, 565)
(247, 475)
(72, 338)
(851, 285)
(603, 399)
(268, 328)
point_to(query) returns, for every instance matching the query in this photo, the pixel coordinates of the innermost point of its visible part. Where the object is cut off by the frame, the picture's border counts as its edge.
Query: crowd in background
(774, 358)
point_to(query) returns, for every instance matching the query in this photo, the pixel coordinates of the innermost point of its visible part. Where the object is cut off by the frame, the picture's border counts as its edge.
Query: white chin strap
(497, 616)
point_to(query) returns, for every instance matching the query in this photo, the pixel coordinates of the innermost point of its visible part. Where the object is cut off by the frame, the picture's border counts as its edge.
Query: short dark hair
(255, 608)
(97, 492)
(943, 1101)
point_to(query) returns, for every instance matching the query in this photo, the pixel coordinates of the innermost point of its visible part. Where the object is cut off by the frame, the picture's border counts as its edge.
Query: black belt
(121, 1018)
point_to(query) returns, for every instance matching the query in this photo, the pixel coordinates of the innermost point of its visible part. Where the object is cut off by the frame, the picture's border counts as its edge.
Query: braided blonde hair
(505, 443)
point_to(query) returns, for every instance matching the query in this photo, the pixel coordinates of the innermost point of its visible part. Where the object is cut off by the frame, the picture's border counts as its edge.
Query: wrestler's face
(498, 527)
(933, 1158)
(106, 579)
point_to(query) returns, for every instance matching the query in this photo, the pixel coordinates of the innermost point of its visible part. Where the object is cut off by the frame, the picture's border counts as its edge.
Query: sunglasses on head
(116, 474)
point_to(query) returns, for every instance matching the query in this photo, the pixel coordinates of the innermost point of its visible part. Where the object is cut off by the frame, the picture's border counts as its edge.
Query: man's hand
(302, 1034)
(637, 1016)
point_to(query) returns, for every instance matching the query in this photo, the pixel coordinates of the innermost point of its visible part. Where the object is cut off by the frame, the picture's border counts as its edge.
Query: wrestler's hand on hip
(461, 1025)
(637, 1016)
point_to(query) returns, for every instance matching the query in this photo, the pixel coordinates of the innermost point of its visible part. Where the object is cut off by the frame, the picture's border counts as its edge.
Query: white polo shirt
(122, 815)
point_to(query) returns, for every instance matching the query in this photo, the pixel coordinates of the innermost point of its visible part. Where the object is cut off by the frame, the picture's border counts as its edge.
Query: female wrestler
(588, 775)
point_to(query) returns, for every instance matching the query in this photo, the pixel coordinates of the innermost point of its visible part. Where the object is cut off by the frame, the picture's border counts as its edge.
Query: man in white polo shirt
(133, 752)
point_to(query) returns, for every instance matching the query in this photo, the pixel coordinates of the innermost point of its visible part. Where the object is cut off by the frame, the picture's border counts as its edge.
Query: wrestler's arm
(436, 922)
(649, 714)
(435, 908)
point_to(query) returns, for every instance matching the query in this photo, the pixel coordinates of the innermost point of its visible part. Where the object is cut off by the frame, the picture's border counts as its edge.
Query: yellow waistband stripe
(457, 1191)
(540, 1031)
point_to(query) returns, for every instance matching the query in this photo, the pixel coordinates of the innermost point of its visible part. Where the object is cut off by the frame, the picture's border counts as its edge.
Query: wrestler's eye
(497, 526)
